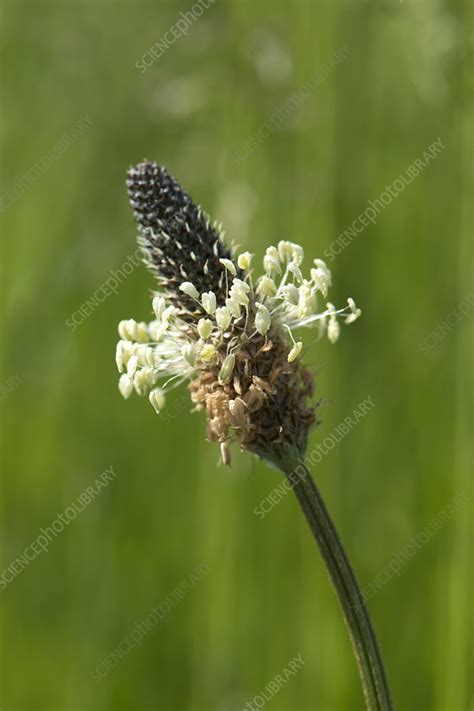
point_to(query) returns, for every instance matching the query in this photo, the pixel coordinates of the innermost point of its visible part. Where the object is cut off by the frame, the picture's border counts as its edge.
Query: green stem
(364, 642)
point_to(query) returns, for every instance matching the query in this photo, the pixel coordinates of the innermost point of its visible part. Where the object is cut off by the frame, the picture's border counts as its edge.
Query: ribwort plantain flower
(233, 336)
(221, 327)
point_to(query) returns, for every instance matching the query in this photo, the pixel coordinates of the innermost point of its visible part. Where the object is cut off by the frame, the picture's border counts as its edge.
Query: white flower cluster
(294, 299)
(168, 347)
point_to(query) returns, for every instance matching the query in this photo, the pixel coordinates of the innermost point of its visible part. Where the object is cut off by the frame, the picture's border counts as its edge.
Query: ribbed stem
(364, 642)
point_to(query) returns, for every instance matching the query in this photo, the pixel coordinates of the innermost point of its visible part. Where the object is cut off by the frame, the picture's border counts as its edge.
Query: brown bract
(265, 405)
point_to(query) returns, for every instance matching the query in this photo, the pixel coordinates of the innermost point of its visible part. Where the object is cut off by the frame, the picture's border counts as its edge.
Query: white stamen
(125, 386)
(266, 287)
(168, 313)
(297, 253)
(321, 276)
(142, 380)
(244, 260)
(285, 251)
(291, 294)
(229, 265)
(189, 289)
(233, 306)
(263, 320)
(333, 329)
(240, 285)
(132, 365)
(209, 303)
(159, 305)
(189, 354)
(166, 348)
(272, 252)
(123, 352)
(296, 271)
(205, 327)
(157, 399)
(132, 329)
(142, 332)
(271, 265)
(128, 330)
(355, 311)
(321, 264)
(238, 294)
(223, 317)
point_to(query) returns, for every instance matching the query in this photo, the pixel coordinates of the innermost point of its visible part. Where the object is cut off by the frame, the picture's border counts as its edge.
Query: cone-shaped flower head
(179, 243)
(216, 326)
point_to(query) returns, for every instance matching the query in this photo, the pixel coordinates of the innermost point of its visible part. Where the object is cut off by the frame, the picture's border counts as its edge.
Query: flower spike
(231, 340)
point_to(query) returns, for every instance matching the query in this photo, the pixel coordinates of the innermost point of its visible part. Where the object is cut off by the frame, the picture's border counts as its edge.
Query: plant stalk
(356, 616)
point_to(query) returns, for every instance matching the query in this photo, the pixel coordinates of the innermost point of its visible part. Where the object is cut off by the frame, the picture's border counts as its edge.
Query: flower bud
(263, 319)
(227, 368)
(208, 352)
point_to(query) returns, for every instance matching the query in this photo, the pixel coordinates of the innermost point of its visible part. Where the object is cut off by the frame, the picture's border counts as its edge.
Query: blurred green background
(266, 597)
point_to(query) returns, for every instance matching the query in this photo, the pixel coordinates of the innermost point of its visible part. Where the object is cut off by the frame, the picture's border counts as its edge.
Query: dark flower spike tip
(177, 238)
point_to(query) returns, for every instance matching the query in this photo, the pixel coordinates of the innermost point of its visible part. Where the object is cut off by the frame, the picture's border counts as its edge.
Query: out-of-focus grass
(266, 597)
